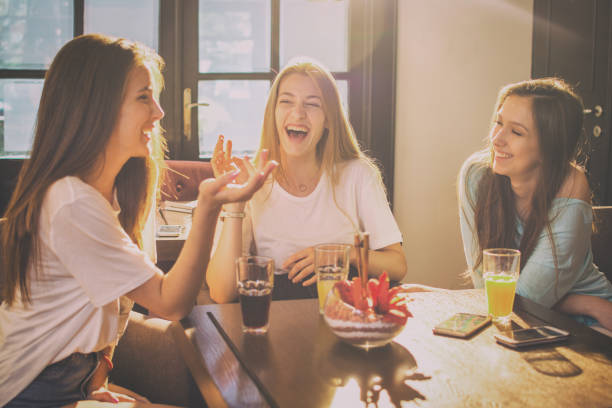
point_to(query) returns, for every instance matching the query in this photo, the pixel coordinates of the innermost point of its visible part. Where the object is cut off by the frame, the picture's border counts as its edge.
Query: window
(221, 57)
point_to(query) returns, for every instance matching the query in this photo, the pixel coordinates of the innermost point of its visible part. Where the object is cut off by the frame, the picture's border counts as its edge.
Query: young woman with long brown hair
(72, 235)
(526, 191)
(324, 190)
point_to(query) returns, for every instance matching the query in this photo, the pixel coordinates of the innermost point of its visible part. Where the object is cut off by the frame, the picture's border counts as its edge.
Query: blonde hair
(338, 144)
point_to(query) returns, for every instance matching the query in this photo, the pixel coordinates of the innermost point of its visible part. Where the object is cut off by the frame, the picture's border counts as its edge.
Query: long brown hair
(79, 106)
(558, 115)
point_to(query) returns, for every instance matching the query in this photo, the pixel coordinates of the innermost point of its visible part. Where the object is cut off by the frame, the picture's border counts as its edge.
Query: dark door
(571, 39)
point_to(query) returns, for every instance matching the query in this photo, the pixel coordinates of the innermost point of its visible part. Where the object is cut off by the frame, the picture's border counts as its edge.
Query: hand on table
(302, 265)
(103, 394)
(98, 388)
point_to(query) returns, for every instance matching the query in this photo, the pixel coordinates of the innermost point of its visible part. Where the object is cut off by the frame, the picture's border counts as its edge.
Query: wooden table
(300, 363)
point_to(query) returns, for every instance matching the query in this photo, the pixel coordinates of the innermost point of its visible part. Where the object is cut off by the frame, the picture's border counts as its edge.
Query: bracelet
(107, 360)
(229, 214)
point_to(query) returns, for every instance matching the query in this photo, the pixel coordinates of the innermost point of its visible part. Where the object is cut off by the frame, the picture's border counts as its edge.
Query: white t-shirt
(87, 262)
(283, 224)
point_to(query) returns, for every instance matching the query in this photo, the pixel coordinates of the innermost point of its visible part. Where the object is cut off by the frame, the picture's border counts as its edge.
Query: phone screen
(169, 230)
(461, 324)
(533, 334)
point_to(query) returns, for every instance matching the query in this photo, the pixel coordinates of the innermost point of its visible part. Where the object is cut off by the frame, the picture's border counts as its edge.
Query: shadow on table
(542, 358)
(375, 370)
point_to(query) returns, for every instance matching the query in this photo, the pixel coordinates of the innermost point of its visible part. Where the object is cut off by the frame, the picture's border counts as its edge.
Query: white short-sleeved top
(87, 263)
(283, 224)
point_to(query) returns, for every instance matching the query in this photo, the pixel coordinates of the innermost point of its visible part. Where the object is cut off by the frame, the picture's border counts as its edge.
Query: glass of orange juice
(331, 263)
(500, 272)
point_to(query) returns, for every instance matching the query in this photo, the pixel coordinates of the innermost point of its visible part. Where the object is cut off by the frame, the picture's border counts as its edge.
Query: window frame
(370, 75)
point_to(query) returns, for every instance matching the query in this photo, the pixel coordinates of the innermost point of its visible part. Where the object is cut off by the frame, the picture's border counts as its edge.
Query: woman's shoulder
(472, 171)
(475, 165)
(358, 168)
(68, 191)
(70, 188)
(575, 186)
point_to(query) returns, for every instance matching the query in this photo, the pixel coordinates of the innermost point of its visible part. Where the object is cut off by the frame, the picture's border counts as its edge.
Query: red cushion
(182, 179)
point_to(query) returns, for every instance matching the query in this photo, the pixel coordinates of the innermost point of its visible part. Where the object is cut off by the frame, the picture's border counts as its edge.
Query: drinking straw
(362, 262)
(365, 259)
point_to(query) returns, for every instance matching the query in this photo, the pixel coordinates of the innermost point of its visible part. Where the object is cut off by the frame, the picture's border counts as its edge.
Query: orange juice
(500, 291)
(326, 278)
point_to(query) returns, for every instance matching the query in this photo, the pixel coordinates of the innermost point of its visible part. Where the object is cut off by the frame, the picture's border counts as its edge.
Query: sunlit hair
(338, 143)
(79, 107)
(558, 117)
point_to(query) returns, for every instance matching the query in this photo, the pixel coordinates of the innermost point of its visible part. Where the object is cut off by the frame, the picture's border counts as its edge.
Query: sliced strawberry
(373, 291)
(395, 316)
(401, 307)
(344, 290)
(394, 291)
(383, 293)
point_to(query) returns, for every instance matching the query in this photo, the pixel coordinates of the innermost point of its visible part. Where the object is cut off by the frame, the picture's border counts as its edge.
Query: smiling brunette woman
(324, 190)
(73, 234)
(525, 191)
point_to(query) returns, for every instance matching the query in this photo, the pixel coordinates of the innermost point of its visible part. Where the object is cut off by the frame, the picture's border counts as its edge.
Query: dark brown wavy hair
(79, 107)
(558, 115)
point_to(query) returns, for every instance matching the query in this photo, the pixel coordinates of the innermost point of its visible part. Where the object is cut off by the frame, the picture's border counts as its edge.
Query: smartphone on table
(169, 230)
(530, 336)
(462, 325)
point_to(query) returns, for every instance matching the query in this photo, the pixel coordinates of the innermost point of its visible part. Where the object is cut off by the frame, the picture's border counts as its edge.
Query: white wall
(453, 56)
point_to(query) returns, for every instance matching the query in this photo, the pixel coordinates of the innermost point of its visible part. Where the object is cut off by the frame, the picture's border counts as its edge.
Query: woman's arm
(550, 274)
(172, 295)
(593, 306)
(390, 258)
(469, 177)
(220, 274)
(221, 271)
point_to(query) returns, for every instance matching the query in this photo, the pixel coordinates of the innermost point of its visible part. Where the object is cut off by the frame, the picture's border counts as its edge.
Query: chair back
(601, 240)
(182, 179)
(9, 173)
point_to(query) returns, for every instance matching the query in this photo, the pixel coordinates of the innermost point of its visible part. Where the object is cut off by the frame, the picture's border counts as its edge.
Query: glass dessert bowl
(373, 321)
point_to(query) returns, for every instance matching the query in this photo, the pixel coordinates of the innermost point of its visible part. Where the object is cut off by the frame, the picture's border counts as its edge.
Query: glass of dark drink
(255, 275)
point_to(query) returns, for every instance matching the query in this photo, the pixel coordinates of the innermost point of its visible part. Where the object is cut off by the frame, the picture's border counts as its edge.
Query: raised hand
(213, 191)
(223, 162)
(222, 159)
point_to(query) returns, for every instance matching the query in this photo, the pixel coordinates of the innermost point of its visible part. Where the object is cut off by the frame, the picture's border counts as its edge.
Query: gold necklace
(302, 187)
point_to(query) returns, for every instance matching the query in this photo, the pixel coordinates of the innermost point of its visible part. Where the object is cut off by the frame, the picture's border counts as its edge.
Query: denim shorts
(60, 383)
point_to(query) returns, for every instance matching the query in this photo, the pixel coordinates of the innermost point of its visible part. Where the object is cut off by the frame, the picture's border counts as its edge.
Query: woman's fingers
(213, 188)
(241, 164)
(263, 156)
(218, 157)
(304, 273)
(221, 160)
(102, 394)
(310, 281)
(228, 152)
(303, 266)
